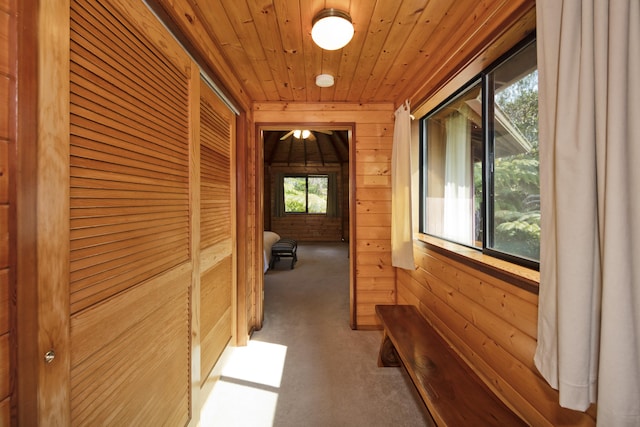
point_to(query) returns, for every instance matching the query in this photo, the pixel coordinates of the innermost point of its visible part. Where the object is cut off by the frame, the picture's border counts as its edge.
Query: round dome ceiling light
(332, 29)
(324, 80)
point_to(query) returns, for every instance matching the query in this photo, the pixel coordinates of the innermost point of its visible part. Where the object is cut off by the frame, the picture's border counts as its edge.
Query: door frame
(259, 204)
(42, 204)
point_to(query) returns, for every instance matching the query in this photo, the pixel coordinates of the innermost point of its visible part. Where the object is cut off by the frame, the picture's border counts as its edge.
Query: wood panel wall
(373, 278)
(488, 319)
(8, 34)
(492, 324)
(250, 236)
(304, 227)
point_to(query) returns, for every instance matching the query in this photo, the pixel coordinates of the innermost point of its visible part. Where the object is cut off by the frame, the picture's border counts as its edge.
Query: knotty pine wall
(249, 235)
(373, 278)
(8, 36)
(486, 310)
(492, 323)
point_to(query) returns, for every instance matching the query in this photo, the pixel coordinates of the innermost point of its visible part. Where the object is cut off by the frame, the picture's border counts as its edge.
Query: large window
(480, 180)
(306, 194)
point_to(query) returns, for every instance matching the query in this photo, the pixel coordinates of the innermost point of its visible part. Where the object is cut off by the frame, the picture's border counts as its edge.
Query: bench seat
(451, 390)
(286, 248)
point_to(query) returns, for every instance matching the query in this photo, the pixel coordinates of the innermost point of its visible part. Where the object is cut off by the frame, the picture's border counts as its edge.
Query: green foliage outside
(516, 177)
(295, 194)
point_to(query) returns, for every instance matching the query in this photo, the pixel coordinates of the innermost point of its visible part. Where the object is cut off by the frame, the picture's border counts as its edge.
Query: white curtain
(458, 178)
(401, 222)
(589, 304)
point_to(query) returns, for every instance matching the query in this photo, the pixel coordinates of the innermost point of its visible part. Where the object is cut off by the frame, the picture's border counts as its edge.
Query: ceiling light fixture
(324, 80)
(332, 29)
(301, 134)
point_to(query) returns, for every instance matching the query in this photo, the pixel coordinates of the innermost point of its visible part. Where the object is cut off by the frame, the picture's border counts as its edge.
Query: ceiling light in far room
(332, 29)
(304, 134)
(324, 80)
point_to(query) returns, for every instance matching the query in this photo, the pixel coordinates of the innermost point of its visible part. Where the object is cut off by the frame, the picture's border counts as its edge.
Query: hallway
(307, 367)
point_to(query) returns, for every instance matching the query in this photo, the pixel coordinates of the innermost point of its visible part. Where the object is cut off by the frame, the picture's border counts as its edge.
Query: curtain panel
(278, 196)
(333, 202)
(401, 221)
(458, 178)
(589, 302)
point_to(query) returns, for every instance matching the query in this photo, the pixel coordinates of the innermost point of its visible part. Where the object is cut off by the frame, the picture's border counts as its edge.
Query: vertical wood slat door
(130, 253)
(217, 228)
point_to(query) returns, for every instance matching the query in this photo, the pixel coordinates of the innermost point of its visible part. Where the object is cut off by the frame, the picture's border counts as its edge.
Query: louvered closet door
(217, 225)
(130, 267)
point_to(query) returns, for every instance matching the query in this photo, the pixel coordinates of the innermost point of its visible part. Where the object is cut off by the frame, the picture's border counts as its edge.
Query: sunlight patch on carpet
(246, 390)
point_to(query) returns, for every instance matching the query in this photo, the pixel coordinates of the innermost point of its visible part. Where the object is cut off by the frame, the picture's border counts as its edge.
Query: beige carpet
(307, 367)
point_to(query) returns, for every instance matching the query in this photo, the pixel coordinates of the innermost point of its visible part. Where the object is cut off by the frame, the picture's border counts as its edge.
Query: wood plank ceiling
(399, 46)
(321, 148)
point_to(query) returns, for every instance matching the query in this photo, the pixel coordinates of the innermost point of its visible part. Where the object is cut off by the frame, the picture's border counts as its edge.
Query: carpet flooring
(307, 367)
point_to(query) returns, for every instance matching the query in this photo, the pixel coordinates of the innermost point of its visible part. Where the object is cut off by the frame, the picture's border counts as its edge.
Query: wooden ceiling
(323, 147)
(399, 49)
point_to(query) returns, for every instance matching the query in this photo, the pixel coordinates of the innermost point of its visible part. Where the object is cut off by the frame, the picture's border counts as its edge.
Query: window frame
(486, 79)
(306, 192)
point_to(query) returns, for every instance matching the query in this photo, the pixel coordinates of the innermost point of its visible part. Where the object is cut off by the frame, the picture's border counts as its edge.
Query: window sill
(514, 274)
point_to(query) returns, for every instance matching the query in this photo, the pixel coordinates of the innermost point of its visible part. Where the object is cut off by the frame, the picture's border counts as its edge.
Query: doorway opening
(306, 188)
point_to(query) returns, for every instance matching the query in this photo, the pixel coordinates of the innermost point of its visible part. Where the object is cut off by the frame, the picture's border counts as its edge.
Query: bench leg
(388, 355)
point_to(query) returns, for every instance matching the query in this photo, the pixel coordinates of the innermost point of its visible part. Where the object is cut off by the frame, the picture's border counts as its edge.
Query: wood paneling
(130, 356)
(5, 308)
(249, 170)
(217, 228)
(492, 324)
(184, 22)
(129, 157)
(4, 234)
(215, 319)
(482, 310)
(216, 125)
(372, 130)
(400, 49)
(7, 46)
(5, 367)
(51, 152)
(118, 159)
(116, 167)
(5, 412)
(5, 104)
(130, 229)
(7, 140)
(25, 159)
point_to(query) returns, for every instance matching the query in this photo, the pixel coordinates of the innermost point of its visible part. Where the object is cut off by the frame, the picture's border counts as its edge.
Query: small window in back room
(480, 180)
(306, 194)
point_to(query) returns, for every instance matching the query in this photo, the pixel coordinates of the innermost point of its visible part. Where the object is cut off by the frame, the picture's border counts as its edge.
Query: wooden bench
(453, 393)
(286, 248)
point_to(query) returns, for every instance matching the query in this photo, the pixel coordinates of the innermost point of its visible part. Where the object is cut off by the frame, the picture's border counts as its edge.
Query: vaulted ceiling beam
(274, 145)
(319, 148)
